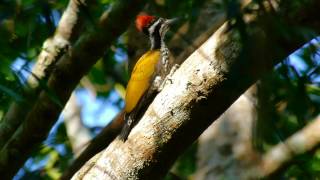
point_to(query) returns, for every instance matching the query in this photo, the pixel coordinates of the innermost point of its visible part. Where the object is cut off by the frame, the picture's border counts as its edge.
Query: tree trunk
(79, 136)
(225, 149)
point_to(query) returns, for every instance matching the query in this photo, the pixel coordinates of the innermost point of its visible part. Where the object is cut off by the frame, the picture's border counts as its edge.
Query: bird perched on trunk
(149, 73)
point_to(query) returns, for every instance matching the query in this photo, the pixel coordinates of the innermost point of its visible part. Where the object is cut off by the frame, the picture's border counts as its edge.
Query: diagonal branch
(303, 141)
(53, 48)
(205, 85)
(64, 78)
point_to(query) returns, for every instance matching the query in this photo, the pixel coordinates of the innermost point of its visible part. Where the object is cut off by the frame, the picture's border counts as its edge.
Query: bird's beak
(172, 21)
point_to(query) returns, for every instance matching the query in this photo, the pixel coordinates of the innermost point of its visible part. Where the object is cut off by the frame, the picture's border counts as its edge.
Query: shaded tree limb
(205, 85)
(53, 48)
(64, 78)
(301, 142)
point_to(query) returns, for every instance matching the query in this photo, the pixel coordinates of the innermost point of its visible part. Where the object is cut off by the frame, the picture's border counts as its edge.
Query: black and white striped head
(151, 24)
(154, 27)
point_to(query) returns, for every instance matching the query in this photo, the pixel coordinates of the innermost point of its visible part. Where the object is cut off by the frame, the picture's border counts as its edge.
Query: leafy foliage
(289, 100)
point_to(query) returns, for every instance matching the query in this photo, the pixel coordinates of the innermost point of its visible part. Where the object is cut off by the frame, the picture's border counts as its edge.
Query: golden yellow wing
(140, 78)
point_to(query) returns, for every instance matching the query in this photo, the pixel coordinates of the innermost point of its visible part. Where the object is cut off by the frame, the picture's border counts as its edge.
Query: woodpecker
(150, 71)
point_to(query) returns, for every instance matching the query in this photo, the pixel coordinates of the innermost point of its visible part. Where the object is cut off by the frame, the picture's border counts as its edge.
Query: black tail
(128, 125)
(132, 118)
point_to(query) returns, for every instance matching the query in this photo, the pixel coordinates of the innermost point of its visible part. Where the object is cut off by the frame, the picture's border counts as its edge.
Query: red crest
(143, 21)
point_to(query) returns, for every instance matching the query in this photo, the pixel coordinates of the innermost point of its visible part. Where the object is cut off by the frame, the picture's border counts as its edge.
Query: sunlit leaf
(120, 89)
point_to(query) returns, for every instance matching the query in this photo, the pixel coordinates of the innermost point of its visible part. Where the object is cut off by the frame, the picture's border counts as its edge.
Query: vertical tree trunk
(225, 149)
(78, 134)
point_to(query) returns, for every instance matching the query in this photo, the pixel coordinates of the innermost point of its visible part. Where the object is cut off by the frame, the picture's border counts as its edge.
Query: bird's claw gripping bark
(168, 78)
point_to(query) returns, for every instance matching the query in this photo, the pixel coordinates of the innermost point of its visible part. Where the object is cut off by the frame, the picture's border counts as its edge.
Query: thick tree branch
(53, 48)
(62, 81)
(202, 89)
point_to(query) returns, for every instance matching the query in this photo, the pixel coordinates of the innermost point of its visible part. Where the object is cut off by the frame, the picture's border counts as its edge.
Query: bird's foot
(168, 78)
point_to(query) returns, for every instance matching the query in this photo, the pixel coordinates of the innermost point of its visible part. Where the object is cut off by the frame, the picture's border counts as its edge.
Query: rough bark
(53, 48)
(66, 75)
(203, 87)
